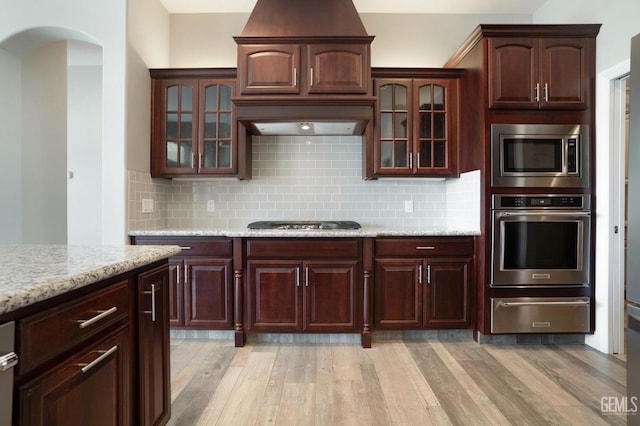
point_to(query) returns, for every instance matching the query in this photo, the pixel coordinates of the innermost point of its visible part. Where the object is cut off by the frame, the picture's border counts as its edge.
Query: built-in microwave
(539, 155)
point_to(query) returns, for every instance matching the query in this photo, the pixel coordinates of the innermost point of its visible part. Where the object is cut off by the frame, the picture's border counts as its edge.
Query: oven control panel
(546, 201)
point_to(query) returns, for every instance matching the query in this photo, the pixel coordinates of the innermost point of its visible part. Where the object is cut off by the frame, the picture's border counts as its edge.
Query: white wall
(619, 25)
(10, 172)
(84, 142)
(44, 145)
(401, 40)
(147, 47)
(28, 24)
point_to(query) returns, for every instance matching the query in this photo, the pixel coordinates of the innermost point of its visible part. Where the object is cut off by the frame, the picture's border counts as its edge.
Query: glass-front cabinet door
(179, 121)
(217, 130)
(193, 124)
(393, 151)
(434, 109)
(416, 123)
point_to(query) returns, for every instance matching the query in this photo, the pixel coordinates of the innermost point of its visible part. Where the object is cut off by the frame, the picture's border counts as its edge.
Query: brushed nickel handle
(295, 76)
(306, 276)
(153, 302)
(537, 97)
(297, 277)
(8, 361)
(546, 92)
(411, 160)
(420, 274)
(425, 248)
(550, 303)
(101, 314)
(311, 76)
(104, 354)
(186, 274)
(177, 274)
(185, 248)
(428, 274)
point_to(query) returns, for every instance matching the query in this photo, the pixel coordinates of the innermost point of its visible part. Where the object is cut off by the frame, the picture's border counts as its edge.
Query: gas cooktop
(305, 224)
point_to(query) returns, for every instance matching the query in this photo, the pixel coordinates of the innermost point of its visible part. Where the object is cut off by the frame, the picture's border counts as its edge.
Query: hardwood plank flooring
(393, 383)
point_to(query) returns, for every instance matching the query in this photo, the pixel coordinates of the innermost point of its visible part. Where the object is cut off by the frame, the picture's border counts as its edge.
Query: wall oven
(540, 241)
(539, 155)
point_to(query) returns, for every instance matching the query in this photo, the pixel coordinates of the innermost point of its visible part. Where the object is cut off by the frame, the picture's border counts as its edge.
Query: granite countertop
(365, 231)
(33, 273)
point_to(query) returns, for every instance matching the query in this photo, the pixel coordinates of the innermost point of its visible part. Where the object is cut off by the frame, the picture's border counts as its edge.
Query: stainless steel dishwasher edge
(8, 360)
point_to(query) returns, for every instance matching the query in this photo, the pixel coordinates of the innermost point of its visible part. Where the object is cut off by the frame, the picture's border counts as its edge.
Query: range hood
(304, 69)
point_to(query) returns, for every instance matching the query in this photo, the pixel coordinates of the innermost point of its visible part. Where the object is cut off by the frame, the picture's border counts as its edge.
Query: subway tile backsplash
(295, 177)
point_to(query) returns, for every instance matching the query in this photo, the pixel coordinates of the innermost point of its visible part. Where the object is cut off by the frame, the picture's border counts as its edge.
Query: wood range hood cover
(304, 67)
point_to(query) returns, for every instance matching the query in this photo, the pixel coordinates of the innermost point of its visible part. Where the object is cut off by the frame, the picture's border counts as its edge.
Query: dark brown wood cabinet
(193, 127)
(540, 73)
(417, 124)
(153, 347)
(200, 282)
(291, 68)
(303, 285)
(423, 283)
(91, 387)
(97, 355)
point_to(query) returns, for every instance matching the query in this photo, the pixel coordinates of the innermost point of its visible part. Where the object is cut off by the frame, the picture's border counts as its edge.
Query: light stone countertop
(365, 231)
(33, 273)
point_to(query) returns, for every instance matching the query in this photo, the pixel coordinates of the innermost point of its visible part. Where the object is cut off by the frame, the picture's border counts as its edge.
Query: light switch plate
(147, 205)
(408, 206)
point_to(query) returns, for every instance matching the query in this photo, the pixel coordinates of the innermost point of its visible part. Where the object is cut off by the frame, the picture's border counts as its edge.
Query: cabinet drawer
(303, 248)
(194, 246)
(53, 331)
(424, 247)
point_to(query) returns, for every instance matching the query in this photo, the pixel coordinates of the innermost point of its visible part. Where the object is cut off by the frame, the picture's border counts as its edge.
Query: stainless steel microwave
(539, 155)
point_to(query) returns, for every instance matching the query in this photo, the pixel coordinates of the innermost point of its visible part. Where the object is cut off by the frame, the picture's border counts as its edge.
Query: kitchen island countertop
(33, 273)
(365, 231)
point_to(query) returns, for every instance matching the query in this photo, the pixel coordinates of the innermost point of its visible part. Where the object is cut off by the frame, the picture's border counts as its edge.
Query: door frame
(610, 116)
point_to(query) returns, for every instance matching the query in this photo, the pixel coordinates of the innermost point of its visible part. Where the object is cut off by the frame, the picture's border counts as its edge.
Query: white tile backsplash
(317, 177)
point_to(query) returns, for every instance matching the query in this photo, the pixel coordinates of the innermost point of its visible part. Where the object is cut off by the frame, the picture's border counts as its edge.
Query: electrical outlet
(408, 206)
(211, 206)
(147, 205)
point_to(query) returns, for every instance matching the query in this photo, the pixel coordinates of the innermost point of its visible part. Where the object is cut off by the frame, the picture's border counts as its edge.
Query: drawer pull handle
(103, 355)
(101, 315)
(8, 361)
(153, 302)
(425, 248)
(185, 248)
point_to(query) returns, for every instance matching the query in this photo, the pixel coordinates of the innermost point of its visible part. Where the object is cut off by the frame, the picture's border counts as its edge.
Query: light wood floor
(393, 383)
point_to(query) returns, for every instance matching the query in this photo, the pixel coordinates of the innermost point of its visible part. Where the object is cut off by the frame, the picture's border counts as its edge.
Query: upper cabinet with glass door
(193, 126)
(416, 127)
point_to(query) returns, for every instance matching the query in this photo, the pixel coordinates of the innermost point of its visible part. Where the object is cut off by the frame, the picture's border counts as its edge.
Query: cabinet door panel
(67, 396)
(153, 346)
(447, 293)
(217, 130)
(513, 73)
(397, 294)
(331, 294)
(273, 296)
(174, 120)
(269, 68)
(338, 68)
(208, 293)
(564, 73)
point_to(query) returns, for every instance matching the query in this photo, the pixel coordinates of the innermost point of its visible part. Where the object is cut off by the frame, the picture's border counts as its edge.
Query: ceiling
(372, 6)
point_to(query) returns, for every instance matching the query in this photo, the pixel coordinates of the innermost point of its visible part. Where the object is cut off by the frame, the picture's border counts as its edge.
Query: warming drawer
(540, 315)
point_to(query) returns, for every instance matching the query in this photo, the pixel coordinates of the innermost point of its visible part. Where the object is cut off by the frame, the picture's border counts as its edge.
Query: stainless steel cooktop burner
(305, 225)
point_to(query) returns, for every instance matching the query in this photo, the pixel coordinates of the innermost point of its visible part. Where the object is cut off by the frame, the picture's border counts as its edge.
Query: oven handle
(545, 213)
(575, 303)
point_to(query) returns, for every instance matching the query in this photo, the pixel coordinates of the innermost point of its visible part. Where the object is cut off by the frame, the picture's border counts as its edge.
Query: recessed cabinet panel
(539, 73)
(269, 69)
(338, 68)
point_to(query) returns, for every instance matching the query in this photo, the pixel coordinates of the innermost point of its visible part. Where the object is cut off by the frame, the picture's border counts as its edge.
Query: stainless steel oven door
(540, 248)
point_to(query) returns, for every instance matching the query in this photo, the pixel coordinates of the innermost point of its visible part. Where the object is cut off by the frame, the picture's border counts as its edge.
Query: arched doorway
(53, 115)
